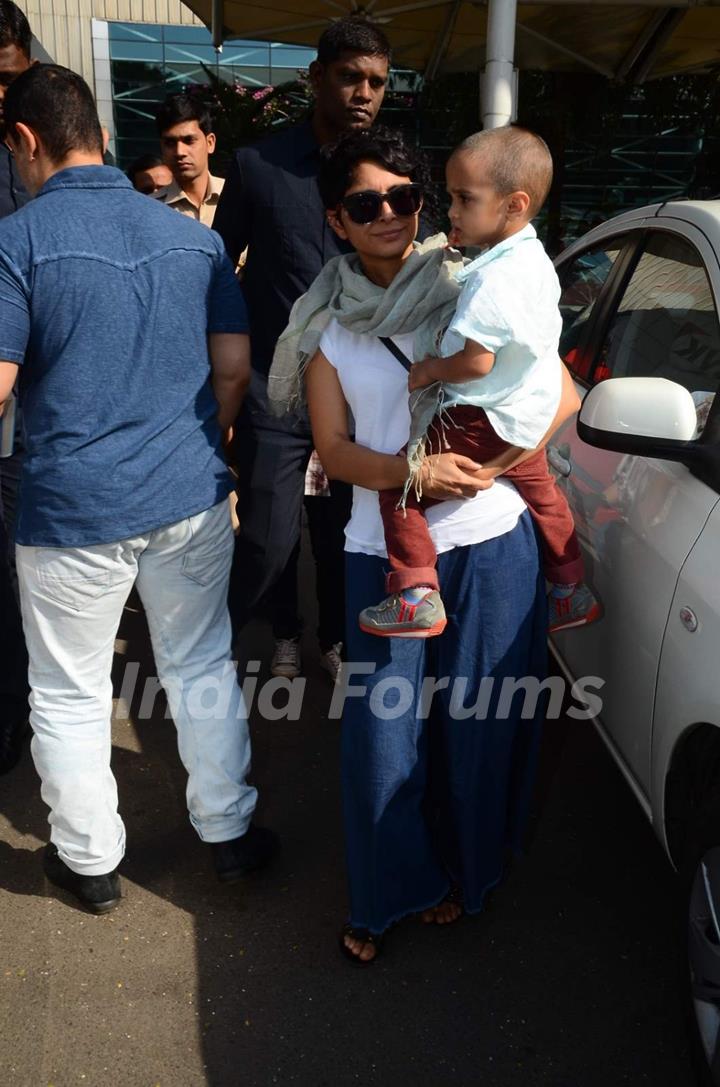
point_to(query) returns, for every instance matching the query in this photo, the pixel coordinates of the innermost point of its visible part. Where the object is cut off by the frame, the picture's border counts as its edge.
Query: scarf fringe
(422, 448)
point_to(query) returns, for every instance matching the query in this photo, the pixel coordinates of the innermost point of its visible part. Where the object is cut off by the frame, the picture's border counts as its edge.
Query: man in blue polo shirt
(129, 331)
(15, 40)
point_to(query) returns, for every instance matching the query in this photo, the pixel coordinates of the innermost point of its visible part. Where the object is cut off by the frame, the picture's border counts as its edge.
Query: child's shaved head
(516, 160)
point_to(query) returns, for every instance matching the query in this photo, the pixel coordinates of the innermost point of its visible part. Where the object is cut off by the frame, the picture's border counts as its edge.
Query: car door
(654, 315)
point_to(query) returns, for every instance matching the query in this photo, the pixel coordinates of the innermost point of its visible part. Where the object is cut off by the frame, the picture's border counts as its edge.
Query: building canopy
(635, 41)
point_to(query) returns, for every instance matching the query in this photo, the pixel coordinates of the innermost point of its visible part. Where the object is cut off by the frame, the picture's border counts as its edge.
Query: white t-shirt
(509, 304)
(375, 386)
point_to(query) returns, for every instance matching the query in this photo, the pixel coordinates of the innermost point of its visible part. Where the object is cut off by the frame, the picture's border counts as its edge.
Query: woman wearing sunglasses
(437, 764)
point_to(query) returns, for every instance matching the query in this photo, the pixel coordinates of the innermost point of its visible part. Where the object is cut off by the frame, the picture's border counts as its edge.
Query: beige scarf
(420, 300)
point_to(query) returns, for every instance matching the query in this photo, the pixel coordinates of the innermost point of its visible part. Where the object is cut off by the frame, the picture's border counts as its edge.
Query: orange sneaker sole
(592, 616)
(430, 632)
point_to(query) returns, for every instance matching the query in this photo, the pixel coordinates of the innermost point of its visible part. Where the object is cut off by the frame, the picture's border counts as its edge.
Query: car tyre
(702, 965)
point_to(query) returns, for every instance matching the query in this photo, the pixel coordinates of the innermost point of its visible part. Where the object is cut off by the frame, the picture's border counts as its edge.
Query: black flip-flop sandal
(366, 937)
(456, 898)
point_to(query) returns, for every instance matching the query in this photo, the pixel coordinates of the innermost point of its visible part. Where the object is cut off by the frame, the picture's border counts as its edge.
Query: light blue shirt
(509, 304)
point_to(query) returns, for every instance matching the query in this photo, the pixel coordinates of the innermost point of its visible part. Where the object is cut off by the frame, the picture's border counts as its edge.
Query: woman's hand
(448, 475)
(422, 374)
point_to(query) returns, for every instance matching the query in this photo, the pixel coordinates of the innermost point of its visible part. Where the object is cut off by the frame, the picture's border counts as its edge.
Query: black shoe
(99, 894)
(12, 740)
(253, 850)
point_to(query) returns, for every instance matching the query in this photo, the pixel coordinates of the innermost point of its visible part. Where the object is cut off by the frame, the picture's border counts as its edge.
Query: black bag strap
(395, 350)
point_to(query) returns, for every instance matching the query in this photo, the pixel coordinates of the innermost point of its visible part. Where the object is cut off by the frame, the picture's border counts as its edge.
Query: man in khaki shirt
(186, 142)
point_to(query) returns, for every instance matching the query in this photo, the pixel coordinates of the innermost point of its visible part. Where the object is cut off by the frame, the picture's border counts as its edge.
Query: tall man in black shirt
(271, 205)
(15, 39)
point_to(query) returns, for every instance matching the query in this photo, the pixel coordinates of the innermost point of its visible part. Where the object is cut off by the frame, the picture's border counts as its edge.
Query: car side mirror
(648, 417)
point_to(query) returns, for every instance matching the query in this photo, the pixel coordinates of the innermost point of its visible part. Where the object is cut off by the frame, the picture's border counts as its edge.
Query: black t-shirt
(12, 193)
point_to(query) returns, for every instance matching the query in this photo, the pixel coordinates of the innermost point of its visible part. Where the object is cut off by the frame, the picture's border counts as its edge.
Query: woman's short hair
(384, 146)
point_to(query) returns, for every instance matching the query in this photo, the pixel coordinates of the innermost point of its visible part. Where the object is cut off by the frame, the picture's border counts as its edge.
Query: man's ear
(316, 72)
(211, 141)
(518, 204)
(335, 223)
(26, 141)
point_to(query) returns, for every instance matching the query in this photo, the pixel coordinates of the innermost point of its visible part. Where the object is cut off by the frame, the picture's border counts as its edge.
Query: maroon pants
(410, 549)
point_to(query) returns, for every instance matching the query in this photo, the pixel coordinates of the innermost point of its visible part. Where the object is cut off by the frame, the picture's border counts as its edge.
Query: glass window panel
(145, 98)
(134, 32)
(136, 50)
(225, 74)
(138, 128)
(582, 281)
(127, 150)
(283, 75)
(149, 85)
(190, 35)
(136, 93)
(130, 109)
(252, 77)
(404, 82)
(666, 324)
(178, 74)
(285, 56)
(248, 55)
(204, 54)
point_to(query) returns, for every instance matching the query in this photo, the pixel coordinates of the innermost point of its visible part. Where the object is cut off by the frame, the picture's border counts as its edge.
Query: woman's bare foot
(359, 945)
(444, 914)
(447, 911)
(363, 950)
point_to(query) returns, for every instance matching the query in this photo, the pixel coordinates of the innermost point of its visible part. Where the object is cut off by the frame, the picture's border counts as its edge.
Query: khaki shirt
(174, 197)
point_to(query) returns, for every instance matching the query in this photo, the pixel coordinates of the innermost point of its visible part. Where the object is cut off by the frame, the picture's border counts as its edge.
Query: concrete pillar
(499, 83)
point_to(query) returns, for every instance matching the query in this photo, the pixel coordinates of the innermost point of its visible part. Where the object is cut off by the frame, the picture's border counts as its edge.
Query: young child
(501, 380)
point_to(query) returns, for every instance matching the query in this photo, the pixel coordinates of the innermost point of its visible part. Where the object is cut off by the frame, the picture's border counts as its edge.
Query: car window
(581, 281)
(666, 324)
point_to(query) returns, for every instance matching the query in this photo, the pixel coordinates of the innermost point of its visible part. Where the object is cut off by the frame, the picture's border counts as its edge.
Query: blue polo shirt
(106, 300)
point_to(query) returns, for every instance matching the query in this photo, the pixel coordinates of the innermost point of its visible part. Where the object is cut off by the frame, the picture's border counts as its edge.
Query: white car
(641, 470)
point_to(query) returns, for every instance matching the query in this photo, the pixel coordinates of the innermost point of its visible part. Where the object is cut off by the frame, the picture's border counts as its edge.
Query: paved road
(568, 979)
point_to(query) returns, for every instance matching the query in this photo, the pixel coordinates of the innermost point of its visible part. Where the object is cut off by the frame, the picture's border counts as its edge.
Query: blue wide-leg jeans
(436, 790)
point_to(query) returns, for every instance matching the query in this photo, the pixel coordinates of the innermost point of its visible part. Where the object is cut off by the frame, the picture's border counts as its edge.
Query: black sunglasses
(365, 207)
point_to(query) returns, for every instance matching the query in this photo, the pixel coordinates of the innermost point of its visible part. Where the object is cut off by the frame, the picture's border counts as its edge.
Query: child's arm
(472, 362)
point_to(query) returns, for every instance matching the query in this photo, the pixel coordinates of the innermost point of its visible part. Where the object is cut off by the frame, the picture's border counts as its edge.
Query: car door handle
(561, 464)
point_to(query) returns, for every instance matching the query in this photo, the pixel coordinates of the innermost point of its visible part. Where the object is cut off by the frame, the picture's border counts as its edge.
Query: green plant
(242, 114)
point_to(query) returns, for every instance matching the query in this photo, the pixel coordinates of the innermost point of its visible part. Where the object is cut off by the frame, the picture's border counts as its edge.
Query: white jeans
(72, 601)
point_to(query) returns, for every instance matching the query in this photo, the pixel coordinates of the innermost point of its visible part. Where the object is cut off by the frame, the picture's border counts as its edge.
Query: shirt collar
(86, 177)
(528, 233)
(173, 194)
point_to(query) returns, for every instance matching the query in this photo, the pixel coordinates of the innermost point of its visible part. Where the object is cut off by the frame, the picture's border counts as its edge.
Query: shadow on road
(567, 979)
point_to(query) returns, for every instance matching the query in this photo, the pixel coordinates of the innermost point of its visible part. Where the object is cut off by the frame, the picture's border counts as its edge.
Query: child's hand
(421, 375)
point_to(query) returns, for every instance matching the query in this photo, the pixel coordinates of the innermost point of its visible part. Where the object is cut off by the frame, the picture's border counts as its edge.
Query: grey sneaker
(331, 661)
(286, 658)
(576, 610)
(395, 618)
